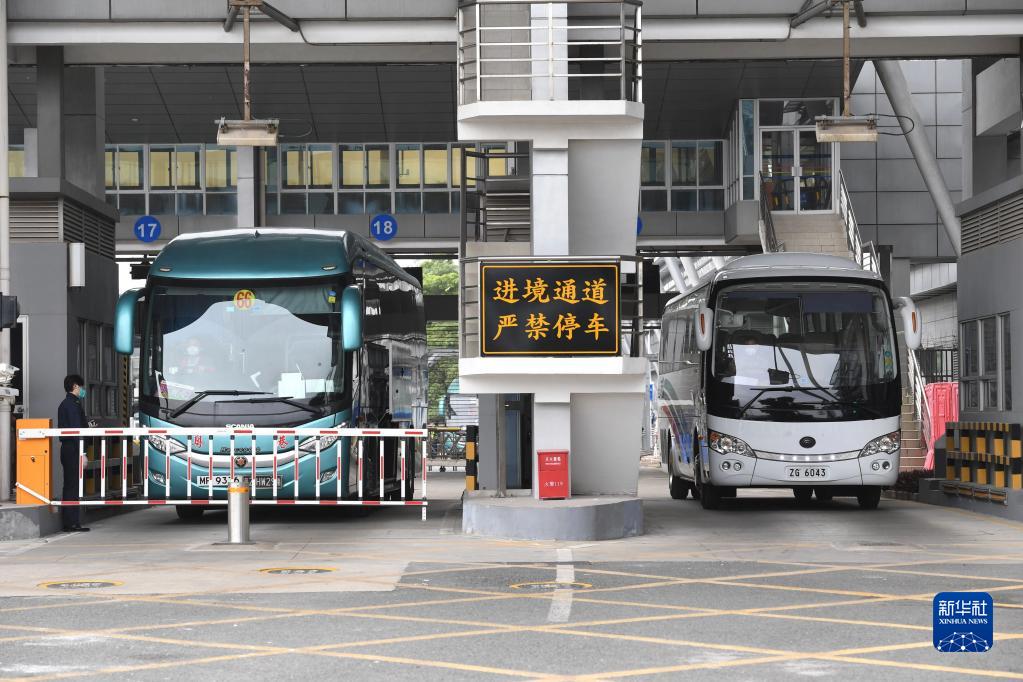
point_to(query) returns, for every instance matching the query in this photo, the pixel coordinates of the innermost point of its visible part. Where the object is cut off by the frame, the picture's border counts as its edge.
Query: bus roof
(786, 264)
(266, 253)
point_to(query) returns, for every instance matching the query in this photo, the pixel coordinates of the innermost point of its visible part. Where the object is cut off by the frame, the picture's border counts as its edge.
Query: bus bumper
(753, 472)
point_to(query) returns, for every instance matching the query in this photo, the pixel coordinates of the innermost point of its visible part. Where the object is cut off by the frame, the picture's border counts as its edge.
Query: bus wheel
(869, 497)
(710, 496)
(678, 487)
(188, 513)
(802, 495)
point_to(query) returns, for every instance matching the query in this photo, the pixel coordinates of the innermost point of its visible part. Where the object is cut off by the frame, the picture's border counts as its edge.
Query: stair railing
(920, 404)
(768, 238)
(865, 255)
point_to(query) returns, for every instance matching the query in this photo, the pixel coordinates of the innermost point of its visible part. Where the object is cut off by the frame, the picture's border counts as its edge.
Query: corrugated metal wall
(51, 220)
(994, 224)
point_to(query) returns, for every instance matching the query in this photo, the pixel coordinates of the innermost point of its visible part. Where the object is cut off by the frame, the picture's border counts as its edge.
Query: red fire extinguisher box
(552, 478)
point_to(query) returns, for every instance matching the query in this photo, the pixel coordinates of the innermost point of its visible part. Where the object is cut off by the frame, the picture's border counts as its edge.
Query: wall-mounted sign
(383, 227)
(147, 229)
(549, 308)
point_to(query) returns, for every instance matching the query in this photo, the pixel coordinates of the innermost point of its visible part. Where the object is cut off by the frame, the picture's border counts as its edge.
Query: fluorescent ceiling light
(258, 133)
(846, 129)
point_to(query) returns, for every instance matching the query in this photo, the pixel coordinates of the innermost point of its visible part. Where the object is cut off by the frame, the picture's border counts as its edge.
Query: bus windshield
(803, 352)
(234, 352)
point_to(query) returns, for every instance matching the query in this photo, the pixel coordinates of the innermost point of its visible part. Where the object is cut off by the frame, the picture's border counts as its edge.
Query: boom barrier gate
(408, 441)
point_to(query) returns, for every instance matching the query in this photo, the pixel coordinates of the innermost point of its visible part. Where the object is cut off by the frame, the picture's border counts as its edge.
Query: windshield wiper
(810, 392)
(762, 391)
(849, 403)
(287, 400)
(203, 394)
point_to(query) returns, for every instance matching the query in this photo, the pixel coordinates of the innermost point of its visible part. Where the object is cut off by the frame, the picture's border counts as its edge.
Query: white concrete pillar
(248, 187)
(550, 233)
(689, 265)
(552, 422)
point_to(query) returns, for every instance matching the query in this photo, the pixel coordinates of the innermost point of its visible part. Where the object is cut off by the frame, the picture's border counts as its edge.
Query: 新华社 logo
(963, 622)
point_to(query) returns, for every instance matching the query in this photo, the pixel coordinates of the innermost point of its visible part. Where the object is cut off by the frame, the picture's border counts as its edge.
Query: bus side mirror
(124, 321)
(912, 325)
(351, 318)
(704, 328)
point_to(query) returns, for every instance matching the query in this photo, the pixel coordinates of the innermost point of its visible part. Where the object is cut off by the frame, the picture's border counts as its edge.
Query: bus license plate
(221, 481)
(807, 473)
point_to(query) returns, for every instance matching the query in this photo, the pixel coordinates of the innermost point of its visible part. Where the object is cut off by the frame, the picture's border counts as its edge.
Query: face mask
(81, 392)
(192, 350)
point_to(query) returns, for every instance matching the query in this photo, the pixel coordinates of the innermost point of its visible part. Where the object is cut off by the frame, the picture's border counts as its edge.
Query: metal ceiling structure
(395, 103)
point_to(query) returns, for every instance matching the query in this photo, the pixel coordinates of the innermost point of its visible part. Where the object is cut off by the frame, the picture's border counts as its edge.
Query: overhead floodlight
(846, 129)
(255, 133)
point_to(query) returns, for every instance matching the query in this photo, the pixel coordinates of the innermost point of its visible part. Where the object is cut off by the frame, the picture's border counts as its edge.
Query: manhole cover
(78, 584)
(550, 586)
(297, 570)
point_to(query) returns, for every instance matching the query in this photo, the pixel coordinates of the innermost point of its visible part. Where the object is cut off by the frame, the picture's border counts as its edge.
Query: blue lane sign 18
(383, 227)
(147, 229)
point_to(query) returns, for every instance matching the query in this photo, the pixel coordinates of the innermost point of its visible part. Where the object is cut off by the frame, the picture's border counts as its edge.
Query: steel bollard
(238, 511)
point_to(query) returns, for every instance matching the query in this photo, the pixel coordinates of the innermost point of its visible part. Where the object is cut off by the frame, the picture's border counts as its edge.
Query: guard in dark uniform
(70, 415)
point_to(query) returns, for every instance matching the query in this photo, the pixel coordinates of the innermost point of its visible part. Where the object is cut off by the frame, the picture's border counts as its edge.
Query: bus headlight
(166, 444)
(729, 445)
(882, 445)
(309, 444)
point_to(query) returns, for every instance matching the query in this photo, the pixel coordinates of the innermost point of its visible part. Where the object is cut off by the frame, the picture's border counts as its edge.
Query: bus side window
(693, 352)
(668, 336)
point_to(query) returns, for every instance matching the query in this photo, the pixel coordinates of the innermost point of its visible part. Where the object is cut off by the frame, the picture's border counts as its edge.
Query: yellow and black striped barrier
(472, 481)
(984, 453)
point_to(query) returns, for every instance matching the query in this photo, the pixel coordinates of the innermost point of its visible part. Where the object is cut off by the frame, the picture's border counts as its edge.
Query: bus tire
(188, 513)
(710, 496)
(823, 494)
(678, 487)
(869, 497)
(802, 495)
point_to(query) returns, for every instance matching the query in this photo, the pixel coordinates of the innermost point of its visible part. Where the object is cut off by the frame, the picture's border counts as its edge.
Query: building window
(1006, 372)
(970, 366)
(697, 175)
(16, 161)
(747, 152)
(794, 112)
(986, 383)
(652, 164)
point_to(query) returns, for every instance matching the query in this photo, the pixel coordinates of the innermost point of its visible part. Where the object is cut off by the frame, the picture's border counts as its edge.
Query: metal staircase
(495, 197)
(838, 234)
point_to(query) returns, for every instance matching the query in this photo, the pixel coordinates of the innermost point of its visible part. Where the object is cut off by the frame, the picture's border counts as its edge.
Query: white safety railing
(921, 405)
(408, 440)
(865, 254)
(535, 50)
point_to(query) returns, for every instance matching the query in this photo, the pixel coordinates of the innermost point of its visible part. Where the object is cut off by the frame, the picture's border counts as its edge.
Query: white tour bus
(783, 372)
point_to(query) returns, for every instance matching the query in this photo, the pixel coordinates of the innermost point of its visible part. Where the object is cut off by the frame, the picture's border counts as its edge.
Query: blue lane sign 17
(383, 227)
(147, 229)
(964, 622)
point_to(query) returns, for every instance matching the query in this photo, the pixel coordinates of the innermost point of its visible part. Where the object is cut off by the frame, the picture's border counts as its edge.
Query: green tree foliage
(440, 277)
